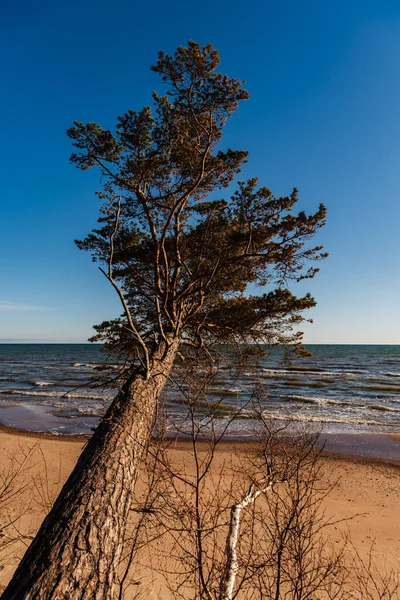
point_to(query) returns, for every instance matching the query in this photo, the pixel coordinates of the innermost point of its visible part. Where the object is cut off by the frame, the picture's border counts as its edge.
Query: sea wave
(220, 391)
(330, 401)
(379, 388)
(94, 365)
(267, 372)
(328, 419)
(76, 412)
(56, 394)
(317, 400)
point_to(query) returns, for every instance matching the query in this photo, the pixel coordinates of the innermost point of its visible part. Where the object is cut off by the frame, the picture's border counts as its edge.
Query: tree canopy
(179, 246)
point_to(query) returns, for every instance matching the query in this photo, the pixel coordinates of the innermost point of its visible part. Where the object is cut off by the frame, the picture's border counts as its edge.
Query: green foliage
(181, 259)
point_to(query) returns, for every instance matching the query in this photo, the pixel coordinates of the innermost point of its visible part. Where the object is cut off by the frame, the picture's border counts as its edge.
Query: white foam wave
(58, 395)
(231, 391)
(75, 411)
(311, 399)
(305, 373)
(95, 365)
(327, 419)
(348, 403)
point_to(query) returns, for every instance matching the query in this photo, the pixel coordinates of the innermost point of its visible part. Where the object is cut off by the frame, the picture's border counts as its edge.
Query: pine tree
(180, 259)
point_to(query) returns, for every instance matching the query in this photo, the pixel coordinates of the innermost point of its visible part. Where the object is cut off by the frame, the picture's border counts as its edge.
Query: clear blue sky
(324, 115)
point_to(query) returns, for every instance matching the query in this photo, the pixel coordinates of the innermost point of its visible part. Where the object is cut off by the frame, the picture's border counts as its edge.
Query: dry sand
(368, 491)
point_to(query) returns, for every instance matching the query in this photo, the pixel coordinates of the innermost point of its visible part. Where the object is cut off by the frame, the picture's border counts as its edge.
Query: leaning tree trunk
(76, 553)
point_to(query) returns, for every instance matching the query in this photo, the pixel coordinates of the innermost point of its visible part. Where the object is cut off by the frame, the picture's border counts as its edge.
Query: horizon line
(38, 341)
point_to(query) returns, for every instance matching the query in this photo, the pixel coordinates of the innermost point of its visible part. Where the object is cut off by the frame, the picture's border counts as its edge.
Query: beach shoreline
(379, 446)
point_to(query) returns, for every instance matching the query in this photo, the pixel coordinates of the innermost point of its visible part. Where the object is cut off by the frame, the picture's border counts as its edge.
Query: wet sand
(368, 445)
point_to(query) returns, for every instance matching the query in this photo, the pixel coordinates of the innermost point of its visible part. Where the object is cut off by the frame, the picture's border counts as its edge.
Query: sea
(57, 388)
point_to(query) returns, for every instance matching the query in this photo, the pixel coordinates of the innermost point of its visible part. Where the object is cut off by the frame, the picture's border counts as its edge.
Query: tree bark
(76, 553)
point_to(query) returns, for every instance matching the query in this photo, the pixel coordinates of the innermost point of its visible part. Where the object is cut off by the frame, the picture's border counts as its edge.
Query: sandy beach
(366, 496)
